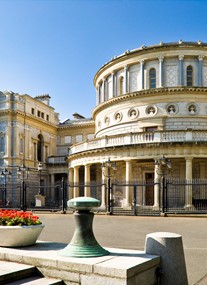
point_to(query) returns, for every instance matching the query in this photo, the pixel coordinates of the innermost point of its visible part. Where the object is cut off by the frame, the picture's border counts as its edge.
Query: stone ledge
(120, 267)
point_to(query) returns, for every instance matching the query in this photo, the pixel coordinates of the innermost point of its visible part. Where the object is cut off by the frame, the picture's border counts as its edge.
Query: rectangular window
(47, 117)
(90, 136)
(78, 138)
(33, 111)
(68, 139)
(42, 115)
(38, 113)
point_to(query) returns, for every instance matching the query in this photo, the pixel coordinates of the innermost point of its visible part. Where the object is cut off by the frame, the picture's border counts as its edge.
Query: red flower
(18, 218)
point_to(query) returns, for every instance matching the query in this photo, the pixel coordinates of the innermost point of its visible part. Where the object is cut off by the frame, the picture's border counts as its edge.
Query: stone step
(12, 273)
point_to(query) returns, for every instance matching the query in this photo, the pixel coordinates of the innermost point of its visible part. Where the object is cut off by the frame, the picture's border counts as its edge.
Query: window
(90, 136)
(152, 78)
(38, 113)
(35, 151)
(33, 111)
(68, 139)
(47, 117)
(189, 78)
(2, 144)
(21, 145)
(42, 115)
(79, 138)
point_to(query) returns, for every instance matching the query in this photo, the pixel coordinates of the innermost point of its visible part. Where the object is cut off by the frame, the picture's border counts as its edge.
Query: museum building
(151, 102)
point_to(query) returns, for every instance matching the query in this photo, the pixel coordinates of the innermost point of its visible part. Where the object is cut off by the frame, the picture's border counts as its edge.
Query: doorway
(149, 179)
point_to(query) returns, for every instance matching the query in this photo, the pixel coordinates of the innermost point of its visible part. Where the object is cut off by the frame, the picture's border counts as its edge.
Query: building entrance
(149, 178)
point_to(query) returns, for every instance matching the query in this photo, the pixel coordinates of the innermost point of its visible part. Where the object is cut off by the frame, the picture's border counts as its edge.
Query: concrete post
(169, 247)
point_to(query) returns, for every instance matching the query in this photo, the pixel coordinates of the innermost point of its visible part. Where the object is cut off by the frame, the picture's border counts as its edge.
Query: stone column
(115, 85)
(76, 192)
(103, 90)
(52, 184)
(189, 176)
(161, 58)
(142, 73)
(112, 84)
(157, 172)
(8, 140)
(181, 57)
(128, 180)
(103, 193)
(126, 79)
(70, 182)
(200, 71)
(87, 180)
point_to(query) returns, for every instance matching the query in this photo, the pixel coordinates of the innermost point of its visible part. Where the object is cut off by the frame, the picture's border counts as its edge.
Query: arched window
(121, 85)
(152, 78)
(40, 148)
(189, 78)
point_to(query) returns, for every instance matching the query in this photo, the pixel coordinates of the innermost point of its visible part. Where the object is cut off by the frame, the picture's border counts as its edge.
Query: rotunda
(151, 103)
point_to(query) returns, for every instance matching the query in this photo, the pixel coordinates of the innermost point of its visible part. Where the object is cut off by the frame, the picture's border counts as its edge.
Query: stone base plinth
(39, 200)
(120, 267)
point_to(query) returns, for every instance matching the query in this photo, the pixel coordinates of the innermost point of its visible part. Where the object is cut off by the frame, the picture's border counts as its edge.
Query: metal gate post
(134, 201)
(163, 186)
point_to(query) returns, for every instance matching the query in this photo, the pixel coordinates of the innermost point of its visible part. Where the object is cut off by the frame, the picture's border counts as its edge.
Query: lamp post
(108, 169)
(165, 165)
(23, 173)
(5, 174)
(40, 168)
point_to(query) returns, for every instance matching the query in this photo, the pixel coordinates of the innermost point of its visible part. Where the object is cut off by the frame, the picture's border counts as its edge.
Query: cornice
(76, 126)
(146, 92)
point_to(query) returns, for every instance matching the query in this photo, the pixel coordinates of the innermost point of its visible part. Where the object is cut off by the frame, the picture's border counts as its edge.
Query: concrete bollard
(169, 247)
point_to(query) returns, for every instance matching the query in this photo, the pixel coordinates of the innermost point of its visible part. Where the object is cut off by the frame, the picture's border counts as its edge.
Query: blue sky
(55, 47)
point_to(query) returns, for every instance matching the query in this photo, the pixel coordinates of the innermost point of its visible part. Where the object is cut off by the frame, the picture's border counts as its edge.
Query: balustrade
(140, 138)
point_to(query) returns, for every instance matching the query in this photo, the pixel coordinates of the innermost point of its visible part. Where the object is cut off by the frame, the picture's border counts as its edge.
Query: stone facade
(151, 102)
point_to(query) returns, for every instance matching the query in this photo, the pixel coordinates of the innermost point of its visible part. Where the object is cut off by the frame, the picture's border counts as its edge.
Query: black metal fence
(134, 198)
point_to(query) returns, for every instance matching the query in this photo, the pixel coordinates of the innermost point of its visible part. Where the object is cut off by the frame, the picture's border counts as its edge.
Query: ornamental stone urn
(83, 243)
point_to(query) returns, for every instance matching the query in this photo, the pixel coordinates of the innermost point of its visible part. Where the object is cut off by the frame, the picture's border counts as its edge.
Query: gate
(137, 192)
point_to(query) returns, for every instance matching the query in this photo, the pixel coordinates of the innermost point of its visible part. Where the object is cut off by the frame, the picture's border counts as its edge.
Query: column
(125, 79)
(200, 71)
(87, 180)
(188, 175)
(181, 57)
(142, 73)
(70, 183)
(115, 85)
(8, 140)
(52, 184)
(76, 181)
(157, 172)
(98, 95)
(161, 58)
(128, 202)
(112, 84)
(103, 90)
(103, 193)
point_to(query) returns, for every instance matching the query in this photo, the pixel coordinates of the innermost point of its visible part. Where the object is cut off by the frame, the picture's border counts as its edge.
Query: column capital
(189, 158)
(141, 61)
(181, 57)
(126, 67)
(161, 58)
(200, 57)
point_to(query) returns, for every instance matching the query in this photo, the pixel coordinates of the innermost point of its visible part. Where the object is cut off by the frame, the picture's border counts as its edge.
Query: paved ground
(130, 233)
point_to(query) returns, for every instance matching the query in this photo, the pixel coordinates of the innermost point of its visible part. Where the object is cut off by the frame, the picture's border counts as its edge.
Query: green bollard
(83, 243)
